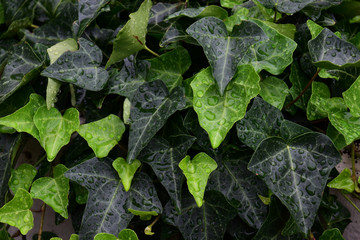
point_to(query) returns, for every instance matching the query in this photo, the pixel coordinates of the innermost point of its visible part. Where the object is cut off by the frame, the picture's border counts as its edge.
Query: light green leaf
(230, 3)
(225, 51)
(53, 191)
(337, 138)
(72, 237)
(22, 119)
(55, 130)
(17, 212)
(288, 30)
(125, 234)
(299, 81)
(208, 11)
(131, 38)
(319, 92)
(144, 215)
(331, 234)
(197, 172)
(350, 98)
(126, 171)
(274, 91)
(105, 236)
(314, 28)
(126, 111)
(347, 125)
(343, 181)
(236, 18)
(103, 135)
(217, 114)
(22, 177)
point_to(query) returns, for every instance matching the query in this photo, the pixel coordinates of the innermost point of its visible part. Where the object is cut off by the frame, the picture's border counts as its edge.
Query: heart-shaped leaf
(331, 234)
(274, 91)
(22, 177)
(158, 13)
(125, 234)
(286, 6)
(347, 125)
(53, 191)
(126, 171)
(82, 67)
(350, 98)
(208, 11)
(197, 172)
(290, 130)
(151, 106)
(296, 172)
(103, 135)
(224, 51)
(55, 130)
(17, 212)
(218, 113)
(343, 181)
(131, 38)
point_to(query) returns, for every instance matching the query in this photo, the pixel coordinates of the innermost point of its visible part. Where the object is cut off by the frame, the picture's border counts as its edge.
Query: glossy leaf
(260, 122)
(82, 67)
(320, 92)
(53, 191)
(337, 138)
(299, 81)
(230, 3)
(315, 29)
(347, 125)
(224, 51)
(17, 212)
(286, 6)
(126, 171)
(296, 172)
(217, 114)
(350, 98)
(131, 38)
(151, 106)
(174, 33)
(197, 172)
(331, 234)
(125, 234)
(55, 130)
(22, 177)
(274, 91)
(343, 181)
(158, 14)
(290, 130)
(103, 135)
(288, 30)
(208, 11)
(72, 237)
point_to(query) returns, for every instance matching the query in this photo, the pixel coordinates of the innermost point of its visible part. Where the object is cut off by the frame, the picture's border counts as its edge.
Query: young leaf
(105, 236)
(17, 212)
(331, 234)
(22, 177)
(151, 106)
(125, 234)
(208, 11)
(230, 3)
(296, 172)
(343, 181)
(274, 91)
(103, 134)
(350, 98)
(126, 171)
(53, 191)
(260, 122)
(131, 38)
(197, 172)
(315, 29)
(286, 6)
(55, 130)
(347, 125)
(224, 51)
(217, 113)
(82, 67)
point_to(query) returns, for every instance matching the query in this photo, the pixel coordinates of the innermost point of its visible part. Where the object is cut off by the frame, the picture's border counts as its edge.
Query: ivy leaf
(233, 180)
(22, 177)
(337, 138)
(53, 191)
(72, 237)
(296, 172)
(158, 13)
(151, 106)
(103, 135)
(224, 51)
(170, 67)
(23, 65)
(329, 51)
(208, 11)
(17, 212)
(315, 29)
(347, 125)
(343, 181)
(127, 234)
(217, 114)
(197, 172)
(174, 33)
(22, 119)
(299, 81)
(331, 234)
(55, 130)
(274, 91)
(82, 67)
(230, 3)
(131, 38)
(260, 122)
(126, 171)
(350, 97)
(313, 10)
(290, 130)
(286, 6)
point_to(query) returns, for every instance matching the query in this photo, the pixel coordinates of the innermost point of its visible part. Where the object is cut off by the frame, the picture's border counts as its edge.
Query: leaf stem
(186, 3)
(311, 236)
(43, 208)
(147, 230)
(72, 95)
(34, 26)
(351, 202)
(40, 160)
(275, 12)
(151, 51)
(304, 90)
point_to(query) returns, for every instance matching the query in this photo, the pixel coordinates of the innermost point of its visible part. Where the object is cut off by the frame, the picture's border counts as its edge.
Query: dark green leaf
(158, 13)
(22, 177)
(286, 6)
(290, 130)
(313, 10)
(174, 33)
(331, 234)
(337, 138)
(299, 81)
(209, 11)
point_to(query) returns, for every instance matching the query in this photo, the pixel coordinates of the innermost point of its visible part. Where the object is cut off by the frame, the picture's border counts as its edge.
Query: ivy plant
(179, 119)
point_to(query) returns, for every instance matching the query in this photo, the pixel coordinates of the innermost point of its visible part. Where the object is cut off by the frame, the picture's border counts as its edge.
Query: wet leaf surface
(22, 177)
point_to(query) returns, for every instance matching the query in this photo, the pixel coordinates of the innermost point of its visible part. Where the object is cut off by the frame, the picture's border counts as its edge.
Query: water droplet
(212, 101)
(333, 54)
(222, 122)
(16, 182)
(200, 93)
(209, 115)
(88, 136)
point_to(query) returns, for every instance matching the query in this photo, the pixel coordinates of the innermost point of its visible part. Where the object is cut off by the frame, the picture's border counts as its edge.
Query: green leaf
(197, 172)
(347, 125)
(55, 130)
(230, 3)
(337, 138)
(286, 6)
(169, 67)
(126, 171)
(319, 92)
(315, 29)
(174, 33)
(331, 234)
(53, 191)
(329, 51)
(274, 91)
(4, 235)
(290, 130)
(208, 11)
(22, 177)
(72, 237)
(103, 135)
(288, 30)
(82, 67)
(151, 106)
(22, 119)
(125, 234)
(232, 179)
(260, 122)
(222, 50)
(299, 81)
(296, 172)
(131, 38)
(350, 98)
(158, 13)
(217, 114)
(23, 66)
(17, 212)
(105, 236)
(343, 181)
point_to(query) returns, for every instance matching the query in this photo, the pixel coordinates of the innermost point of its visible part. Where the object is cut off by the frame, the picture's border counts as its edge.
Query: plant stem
(73, 95)
(40, 160)
(186, 3)
(275, 15)
(311, 236)
(34, 26)
(353, 162)
(151, 51)
(351, 202)
(43, 208)
(304, 90)
(147, 230)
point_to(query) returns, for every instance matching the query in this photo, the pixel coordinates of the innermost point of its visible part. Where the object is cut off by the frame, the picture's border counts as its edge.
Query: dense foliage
(179, 119)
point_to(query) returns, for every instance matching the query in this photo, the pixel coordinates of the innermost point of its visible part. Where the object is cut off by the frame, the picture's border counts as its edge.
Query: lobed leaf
(350, 98)
(274, 91)
(343, 181)
(331, 234)
(347, 125)
(22, 177)
(286, 6)
(126, 171)
(200, 12)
